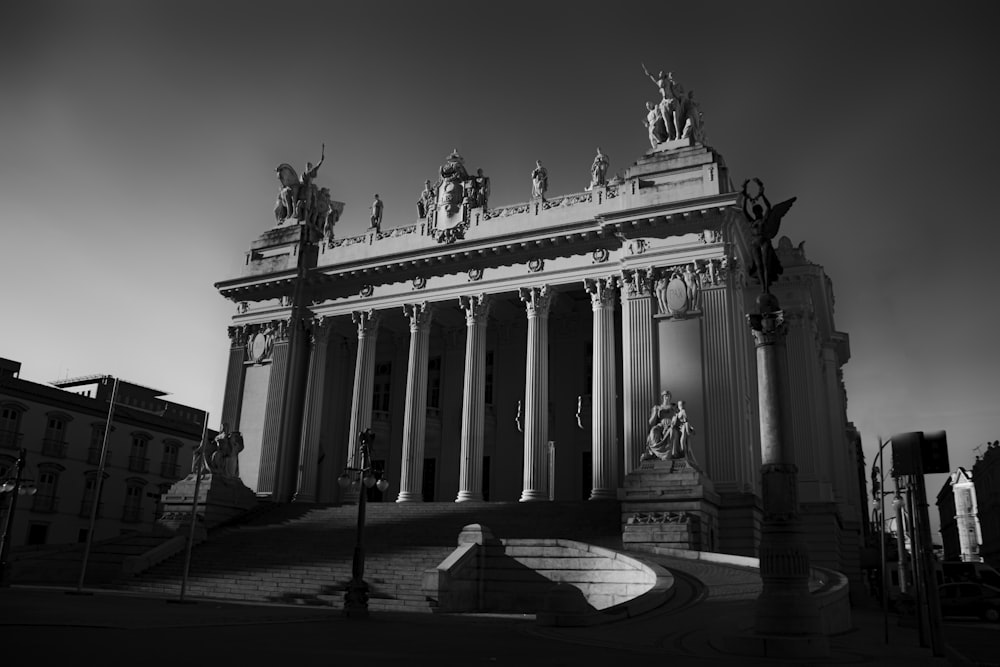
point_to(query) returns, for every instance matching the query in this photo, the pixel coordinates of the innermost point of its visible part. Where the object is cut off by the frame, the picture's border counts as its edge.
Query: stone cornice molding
(477, 308)
(537, 300)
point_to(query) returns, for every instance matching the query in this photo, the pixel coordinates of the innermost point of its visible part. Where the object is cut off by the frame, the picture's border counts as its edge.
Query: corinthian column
(536, 393)
(415, 413)
(639, 382)
(312, 420)
(364, 378)
(470, 477)
(604, 411)
(784, 606)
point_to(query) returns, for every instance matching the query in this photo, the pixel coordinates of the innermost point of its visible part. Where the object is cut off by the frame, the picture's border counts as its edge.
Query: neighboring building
(958, 511)
(514, 353)
(986, 477)
(62, 429)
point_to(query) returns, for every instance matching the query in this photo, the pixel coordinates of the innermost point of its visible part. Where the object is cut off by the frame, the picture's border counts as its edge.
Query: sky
(138, 142)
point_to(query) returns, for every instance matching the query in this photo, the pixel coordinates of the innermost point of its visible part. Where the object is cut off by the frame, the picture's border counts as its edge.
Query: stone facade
(986, 477)
(597, 301)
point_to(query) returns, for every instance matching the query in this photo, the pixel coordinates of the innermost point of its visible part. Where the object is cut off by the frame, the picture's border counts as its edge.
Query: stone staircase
(302, 554)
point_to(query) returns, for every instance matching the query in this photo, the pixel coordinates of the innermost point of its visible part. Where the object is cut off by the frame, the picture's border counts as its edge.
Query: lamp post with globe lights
(356, 597)
(18, 486)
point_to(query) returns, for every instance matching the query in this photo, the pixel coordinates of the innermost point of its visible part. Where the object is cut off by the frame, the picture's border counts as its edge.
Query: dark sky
(138, 142)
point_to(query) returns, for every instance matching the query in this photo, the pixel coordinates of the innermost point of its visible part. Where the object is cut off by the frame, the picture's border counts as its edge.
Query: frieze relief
(637, 282)
(259, 339)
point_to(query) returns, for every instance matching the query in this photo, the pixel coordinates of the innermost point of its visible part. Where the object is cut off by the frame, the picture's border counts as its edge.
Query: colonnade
(537, 302)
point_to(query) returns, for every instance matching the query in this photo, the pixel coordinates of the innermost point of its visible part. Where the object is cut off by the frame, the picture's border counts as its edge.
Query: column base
(532, 495)
(409, 497)
(603, 494)
(467, 496)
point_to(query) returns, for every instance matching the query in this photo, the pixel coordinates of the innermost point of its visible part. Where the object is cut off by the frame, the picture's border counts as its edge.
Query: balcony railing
(87, 505)
(10, 439)
(138, 464)
(54, 448)
(131, 514)
(169, 470)
(44, 503)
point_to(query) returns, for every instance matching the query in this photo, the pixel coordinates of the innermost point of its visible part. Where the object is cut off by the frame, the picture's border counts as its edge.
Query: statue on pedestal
(376, 218)
(220, 455)
(539, 181)
(654, 123)
(670, 431)
(299, 198)
(764, 221)
(482, 186)
(598, 170)
(425, 204)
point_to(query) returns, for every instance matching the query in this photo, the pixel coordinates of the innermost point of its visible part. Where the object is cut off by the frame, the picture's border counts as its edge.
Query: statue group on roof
(675, 115)
(301, 200)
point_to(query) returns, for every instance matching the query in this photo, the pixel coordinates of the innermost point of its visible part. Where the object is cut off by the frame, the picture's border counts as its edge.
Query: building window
(137, 461)
(38, 533)
(45, 499)
(380, 399)
(434, 383)
(169, 467)
(489, 377)
(89, 487)
(10, 426)
(54, 440)
(96, 443)
(132, 511)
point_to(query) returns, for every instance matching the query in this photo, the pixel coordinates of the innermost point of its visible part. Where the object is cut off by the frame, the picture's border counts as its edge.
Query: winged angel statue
(764, 221)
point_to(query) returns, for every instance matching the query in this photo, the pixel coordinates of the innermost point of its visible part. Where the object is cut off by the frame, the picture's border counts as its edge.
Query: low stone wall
(563, 582)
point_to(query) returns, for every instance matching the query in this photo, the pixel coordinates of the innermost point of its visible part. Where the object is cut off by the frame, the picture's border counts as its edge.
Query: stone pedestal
(219, 500)
(669, 504)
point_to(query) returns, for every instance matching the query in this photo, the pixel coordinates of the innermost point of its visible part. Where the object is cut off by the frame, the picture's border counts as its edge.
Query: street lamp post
(15, 487)
(356, 597)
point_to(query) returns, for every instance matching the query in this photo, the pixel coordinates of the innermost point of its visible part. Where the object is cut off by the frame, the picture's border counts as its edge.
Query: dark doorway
(430, 475)
(38, 533)
(586, 475)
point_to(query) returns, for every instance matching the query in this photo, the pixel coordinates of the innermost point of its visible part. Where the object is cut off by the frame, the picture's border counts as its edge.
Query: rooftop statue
(376, 218)
(599, 170)
(297, 196)
(676, 115)
(425, 204)
(539, 181)
(764, 221)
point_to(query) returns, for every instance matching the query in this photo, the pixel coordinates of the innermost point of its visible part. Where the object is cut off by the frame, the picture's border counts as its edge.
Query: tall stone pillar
(312, 420)
(604, 411)
(415, 412)
(470, 476)
(785, 606)
(537, 301)
(235, 372)
(639, 381)
(364, 378)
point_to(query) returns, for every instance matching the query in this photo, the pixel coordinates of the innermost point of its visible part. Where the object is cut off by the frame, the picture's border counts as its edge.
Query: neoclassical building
(514, 352)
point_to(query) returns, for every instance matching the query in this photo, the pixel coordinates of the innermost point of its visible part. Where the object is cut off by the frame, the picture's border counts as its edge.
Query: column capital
(319, 329)
(366, 321)
(537, 300)
(419, 314)
(637, 283)
(767, 328)
(602, 291)
(476, 307)
(238, 335)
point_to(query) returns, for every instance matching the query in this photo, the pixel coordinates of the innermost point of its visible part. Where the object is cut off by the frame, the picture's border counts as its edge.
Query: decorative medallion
(601, 255)
(475, 274)
(258, 347)
(637, 246)
(367, 290)
(535, 265)
(677, 300)
(419, 283)
(242, 307)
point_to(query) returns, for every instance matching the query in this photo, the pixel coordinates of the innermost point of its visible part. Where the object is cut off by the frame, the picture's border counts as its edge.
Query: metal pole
(98, 486)
(927, 565)
(194, 508)
(881, 538)
(356, 598)
(897, 504)
(8, 524)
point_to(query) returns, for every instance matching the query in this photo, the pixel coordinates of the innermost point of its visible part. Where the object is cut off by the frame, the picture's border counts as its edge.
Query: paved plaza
(709, 603)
